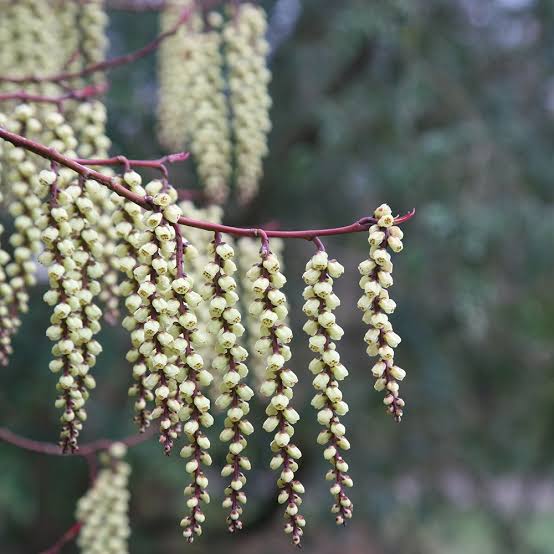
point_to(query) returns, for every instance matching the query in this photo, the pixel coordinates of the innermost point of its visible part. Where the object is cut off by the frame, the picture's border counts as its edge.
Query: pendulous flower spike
(376, 306)
(328, 371)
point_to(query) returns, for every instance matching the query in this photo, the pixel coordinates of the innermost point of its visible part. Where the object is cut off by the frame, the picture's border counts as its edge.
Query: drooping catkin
(323, 330)
(377, 306)
(6, 299)
(72, 255)
(155, 309)
(195, 267)
(129, 226)
(192, 107)
(219, 291)
(93, 21)
(67, 16)
(208, 113)
(24, 206)
(270, 306)
(176, 67)
(103, 510)
(72, 284)
(89, 120)
(195, 412)
(246, 50)
(20, 171)
(248, 255)
(30, 42)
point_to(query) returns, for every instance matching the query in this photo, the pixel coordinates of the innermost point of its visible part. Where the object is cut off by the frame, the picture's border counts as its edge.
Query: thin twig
(85, 450)
(136, 6)
(68, 536)
(79, 94)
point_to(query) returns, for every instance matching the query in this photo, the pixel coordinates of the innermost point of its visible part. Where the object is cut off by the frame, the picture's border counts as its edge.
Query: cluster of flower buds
(201, 239)
(193, 107)
(150, 301)
(376, 304)
(176, 69)
(30, 38)
(249, 254)
(195, 412)
(24, 198)
(6, 294)
(88, 120)
(70, 251)
(323, 330)
(129, 226)
(221, 90)
(207, 111)
(164, 332)
(246, 55)
(67, 17)
(220, 292)
(270, 307)
(93, 21)
(104, 510)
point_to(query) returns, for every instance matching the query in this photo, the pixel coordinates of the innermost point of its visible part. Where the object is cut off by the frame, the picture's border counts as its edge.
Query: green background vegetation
(443, 106)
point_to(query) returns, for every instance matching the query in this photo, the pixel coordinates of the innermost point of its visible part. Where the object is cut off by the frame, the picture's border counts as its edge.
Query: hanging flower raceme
(67, 17)
(249, 254)
(88, 120)
(31, 39)
(64, 259)
(220, 292)
(270, 306)
(156, 309)
(93, 21)
(6, 294)
(7, 322)
(377, 306)
(246, 55)
(193, 107)
(195, 411)
(103, 511)
(88, 259)
(24, 205)
(195, 268)
(207, 111)
(324, 331)
(176, 67)
(129, 227)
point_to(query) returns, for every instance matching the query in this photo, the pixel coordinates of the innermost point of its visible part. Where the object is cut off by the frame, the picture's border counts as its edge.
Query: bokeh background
(443, 106)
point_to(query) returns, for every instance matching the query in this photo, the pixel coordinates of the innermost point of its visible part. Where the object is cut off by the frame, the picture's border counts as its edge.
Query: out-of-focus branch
(79, 94)
(68, 536)
(85, 450)
(136, 5)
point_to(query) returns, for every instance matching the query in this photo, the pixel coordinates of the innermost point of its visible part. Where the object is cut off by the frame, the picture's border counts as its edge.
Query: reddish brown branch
(68, 536)
(361, 225)
(107, 64)
(52, 449)
(159, 164)
(122, 160)
(79, 94)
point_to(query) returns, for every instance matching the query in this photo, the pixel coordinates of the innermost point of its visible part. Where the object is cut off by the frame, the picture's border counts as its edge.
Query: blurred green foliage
(443, 106)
